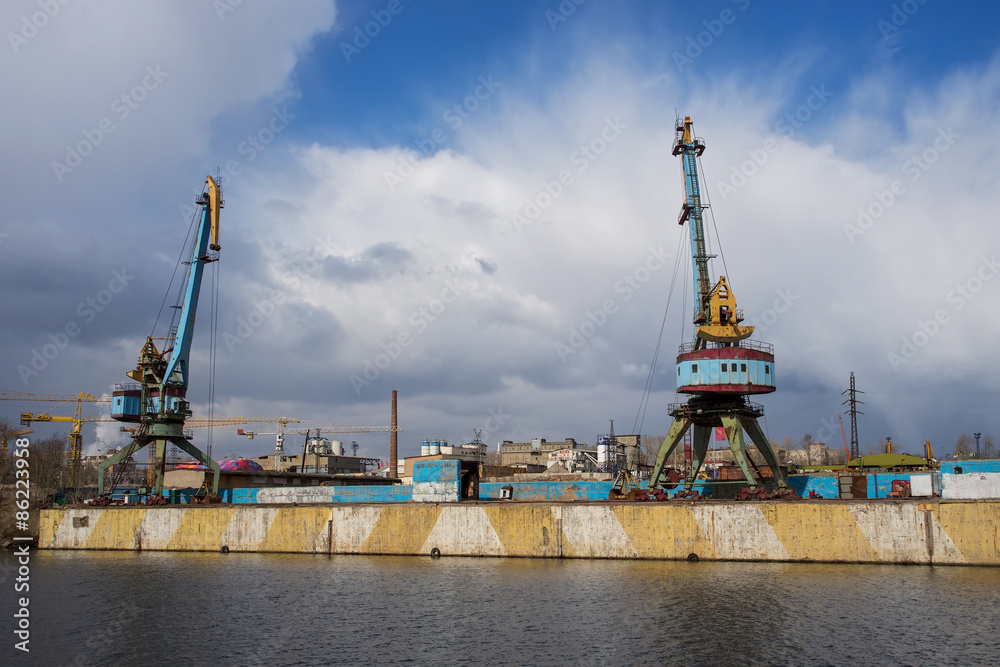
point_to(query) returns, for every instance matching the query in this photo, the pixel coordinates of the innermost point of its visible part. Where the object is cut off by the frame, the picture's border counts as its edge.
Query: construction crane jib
(75, 451)
(157, 400)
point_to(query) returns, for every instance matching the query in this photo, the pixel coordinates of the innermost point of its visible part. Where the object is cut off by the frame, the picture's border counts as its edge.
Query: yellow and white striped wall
(831, 531)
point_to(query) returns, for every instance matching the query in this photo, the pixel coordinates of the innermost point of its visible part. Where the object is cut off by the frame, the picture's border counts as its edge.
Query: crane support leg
(764, 447)
(699, 450)
(122, 454)
(677, 430)
(160, 448)
(734, 434)
(702, 415)
(200, 456)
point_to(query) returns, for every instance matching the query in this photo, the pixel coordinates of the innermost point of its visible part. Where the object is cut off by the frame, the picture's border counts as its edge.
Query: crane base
(705, 413)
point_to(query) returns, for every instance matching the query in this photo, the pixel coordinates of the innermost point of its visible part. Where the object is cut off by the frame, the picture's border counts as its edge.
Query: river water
(148, 608)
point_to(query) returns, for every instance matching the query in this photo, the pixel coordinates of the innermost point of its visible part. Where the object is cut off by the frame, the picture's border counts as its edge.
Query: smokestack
(393, 462)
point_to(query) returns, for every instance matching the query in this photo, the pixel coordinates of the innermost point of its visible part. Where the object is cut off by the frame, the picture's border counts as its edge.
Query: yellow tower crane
(75, 438)
(5, 436)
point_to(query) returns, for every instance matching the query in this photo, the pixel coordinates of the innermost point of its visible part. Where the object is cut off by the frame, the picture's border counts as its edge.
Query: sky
(475, 204)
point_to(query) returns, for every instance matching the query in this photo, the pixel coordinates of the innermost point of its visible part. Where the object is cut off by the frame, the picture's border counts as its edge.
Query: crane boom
(690, 147)
(716, 315)
(209, 226)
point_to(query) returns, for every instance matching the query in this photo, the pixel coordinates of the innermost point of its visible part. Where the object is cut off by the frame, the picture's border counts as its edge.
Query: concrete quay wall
(872, 531)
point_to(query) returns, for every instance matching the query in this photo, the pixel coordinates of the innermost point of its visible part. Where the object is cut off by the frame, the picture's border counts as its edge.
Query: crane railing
(746, 344)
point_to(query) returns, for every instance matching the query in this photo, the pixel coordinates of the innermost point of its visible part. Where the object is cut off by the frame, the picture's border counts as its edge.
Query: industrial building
(536, 452)
(320, 456)
(540, 454)
(471, 456)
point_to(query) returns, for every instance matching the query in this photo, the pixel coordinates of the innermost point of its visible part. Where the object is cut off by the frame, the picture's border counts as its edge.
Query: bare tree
(6, 463)
(877, 448)
(492, 457)
(46, 468)
(988, 447)
(963, 446)
(784, 452)
(805, 444)
(650, 447)
(49, 472)
(7, 506)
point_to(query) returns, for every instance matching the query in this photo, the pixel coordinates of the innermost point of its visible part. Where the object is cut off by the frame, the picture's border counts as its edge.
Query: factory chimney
(393, 462)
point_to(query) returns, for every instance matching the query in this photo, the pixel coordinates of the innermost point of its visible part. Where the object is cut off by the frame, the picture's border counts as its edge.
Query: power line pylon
(853, 401)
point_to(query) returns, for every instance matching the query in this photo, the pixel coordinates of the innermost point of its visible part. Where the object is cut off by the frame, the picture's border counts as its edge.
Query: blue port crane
(721, 366)
(157, 399)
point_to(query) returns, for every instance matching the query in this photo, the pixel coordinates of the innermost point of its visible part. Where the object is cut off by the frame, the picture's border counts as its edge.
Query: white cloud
(783, 230)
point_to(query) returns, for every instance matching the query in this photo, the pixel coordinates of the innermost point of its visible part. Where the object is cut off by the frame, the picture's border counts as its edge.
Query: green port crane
(157, 400)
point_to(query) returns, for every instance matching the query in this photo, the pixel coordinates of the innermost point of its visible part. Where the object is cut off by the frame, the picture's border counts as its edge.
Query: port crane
(157, 399)
(721, 366)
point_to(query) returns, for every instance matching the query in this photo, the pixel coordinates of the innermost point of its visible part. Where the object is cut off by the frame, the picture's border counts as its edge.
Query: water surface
(149, 608)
